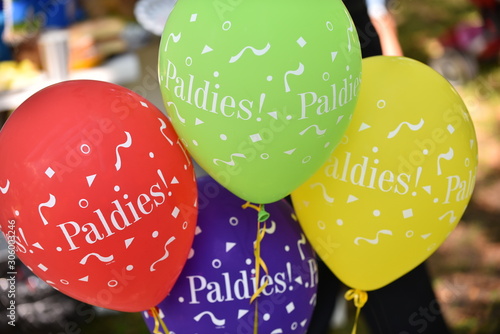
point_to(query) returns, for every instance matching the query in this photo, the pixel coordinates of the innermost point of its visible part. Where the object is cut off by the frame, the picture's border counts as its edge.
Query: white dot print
(85, 149)
(381, 104)
(112, 283)
(226, 25)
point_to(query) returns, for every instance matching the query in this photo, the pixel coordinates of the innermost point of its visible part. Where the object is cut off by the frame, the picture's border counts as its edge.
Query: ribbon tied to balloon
(260, 91)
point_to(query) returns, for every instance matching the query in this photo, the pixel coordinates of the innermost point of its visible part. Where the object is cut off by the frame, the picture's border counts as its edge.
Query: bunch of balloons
(99, 194)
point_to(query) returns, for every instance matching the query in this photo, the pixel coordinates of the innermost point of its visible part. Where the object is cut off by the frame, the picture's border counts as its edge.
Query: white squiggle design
(257, 52)
(230, 162)
(166, 255)
(452, 216)
(163, 127)
(313, 299)
(323, 188)
(175, 38)
(350, 29)
(447, 156)
(272, 229)
(126, 144)
(373, 241)
(100, 257)
(298, 71)
(176, 112)
(413, 127)
(302, 241)
(319, 132)
(6, 188)
(188, 159)
(213, 318)
(49, 204)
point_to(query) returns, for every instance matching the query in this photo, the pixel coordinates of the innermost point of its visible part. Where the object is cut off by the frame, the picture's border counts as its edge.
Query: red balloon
(98, 194)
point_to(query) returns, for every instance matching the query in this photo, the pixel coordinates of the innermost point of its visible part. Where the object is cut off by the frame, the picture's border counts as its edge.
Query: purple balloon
(212, 294)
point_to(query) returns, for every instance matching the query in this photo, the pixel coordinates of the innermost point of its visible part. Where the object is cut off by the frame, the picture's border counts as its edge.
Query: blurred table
(121, 69)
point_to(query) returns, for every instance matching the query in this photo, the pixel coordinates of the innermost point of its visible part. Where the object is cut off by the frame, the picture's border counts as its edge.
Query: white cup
(54, 52)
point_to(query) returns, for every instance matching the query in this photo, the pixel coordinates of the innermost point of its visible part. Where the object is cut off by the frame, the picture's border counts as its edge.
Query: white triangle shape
(471, 143)
(128, 242)
(351, 199)
(299, 280)
(229, 246)
(174, 181)
(241, 313)
(84, 279)
(37, 245)
(206, 49)
(90, 179)
(273, 114)
(290, 152)
(428, 189)
(306, 203)
(364, 126)
(425, 236)
(334, 55)
(303, 322)
(198, 121)
(197, 231)
(339, 118)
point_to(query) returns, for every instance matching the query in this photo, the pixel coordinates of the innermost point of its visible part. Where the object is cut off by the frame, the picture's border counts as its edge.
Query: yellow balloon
(399, 181)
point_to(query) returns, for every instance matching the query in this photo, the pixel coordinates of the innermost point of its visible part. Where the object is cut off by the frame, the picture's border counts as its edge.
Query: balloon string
(259, 262)
(256, 318)
(158, 322)
(360, 298)
(263, 215)
(250, 205)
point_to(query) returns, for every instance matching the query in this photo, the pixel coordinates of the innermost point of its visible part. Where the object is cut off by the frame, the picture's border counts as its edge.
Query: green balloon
(260, 91)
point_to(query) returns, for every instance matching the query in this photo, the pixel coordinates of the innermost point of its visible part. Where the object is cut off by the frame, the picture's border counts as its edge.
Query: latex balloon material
(98, 194)
(400, 181)
(260, 91)
(213, 292)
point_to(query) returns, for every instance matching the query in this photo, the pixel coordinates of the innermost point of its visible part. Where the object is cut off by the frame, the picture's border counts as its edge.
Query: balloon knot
(263, 215)
(359, 297)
